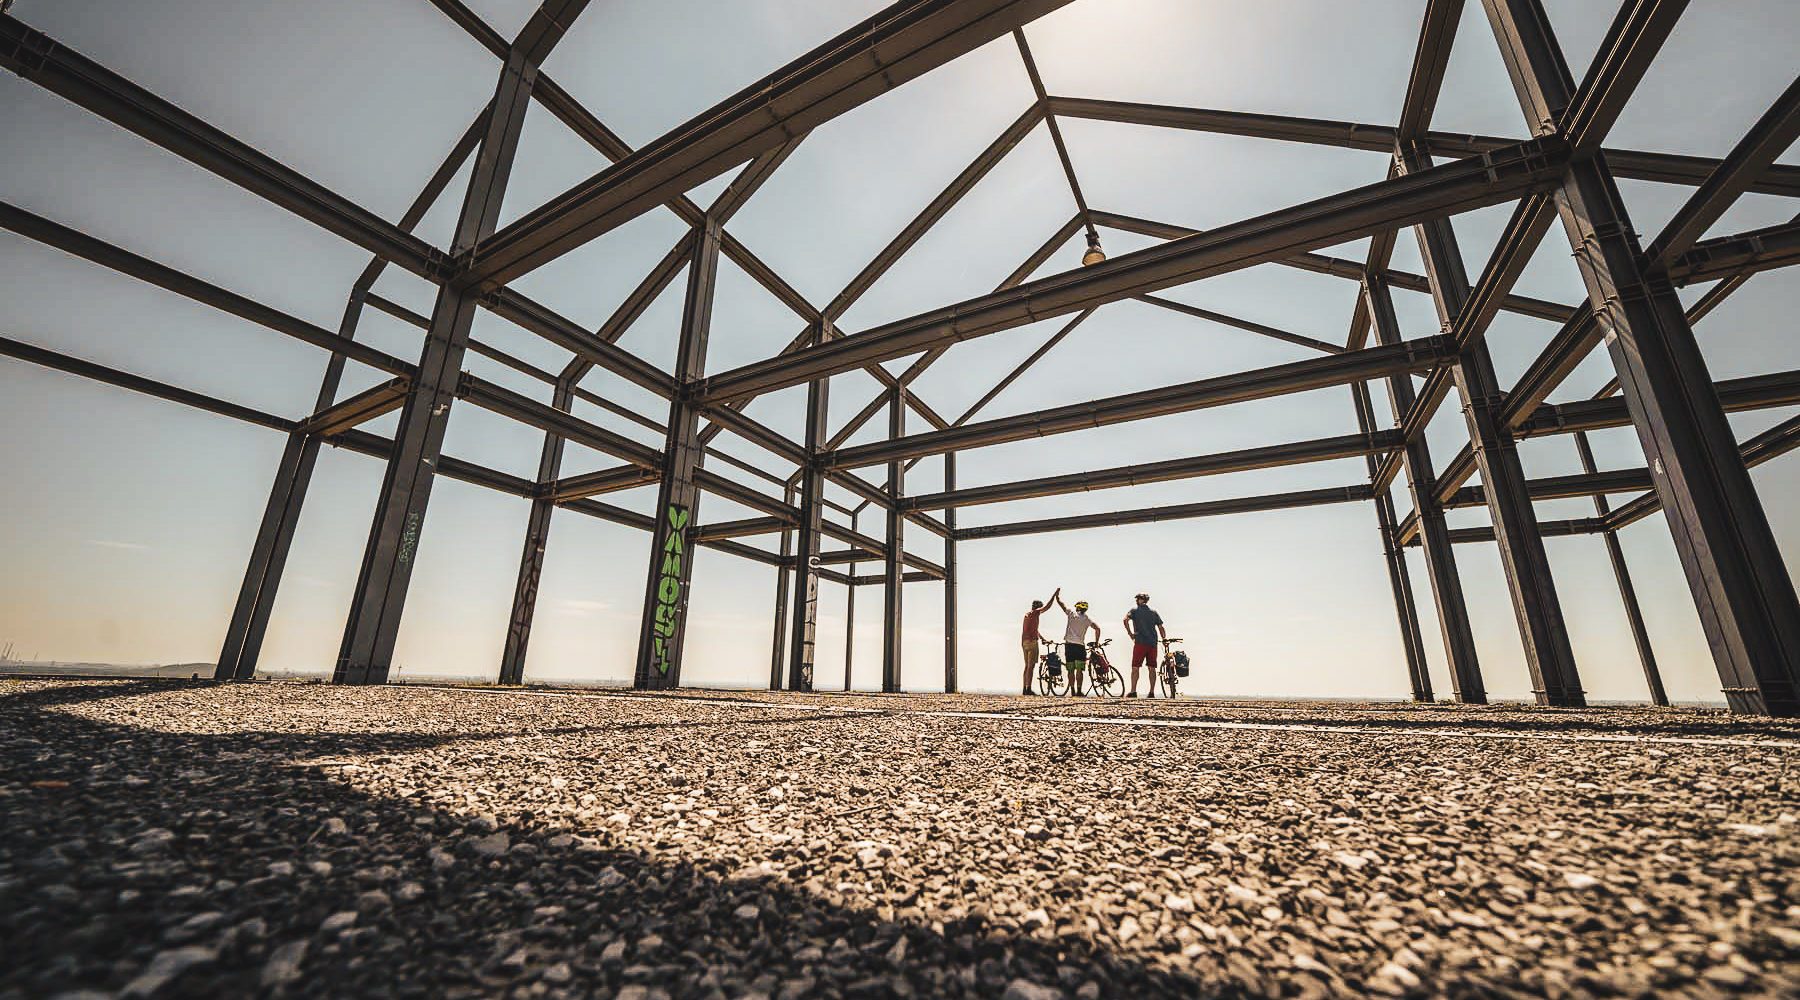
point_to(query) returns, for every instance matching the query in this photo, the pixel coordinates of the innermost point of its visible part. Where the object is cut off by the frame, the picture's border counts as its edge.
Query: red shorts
(1143, 652)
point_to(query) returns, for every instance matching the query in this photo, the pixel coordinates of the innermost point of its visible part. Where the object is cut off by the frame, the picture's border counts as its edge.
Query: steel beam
(1638, 32)
(738, 528)
(58, 361)
(607, 143)
(1754, 392)
(903, 41)
(1743, 591)
(1459, 186)
(1770, 444)
(358, 409)
(902, 242)
(499, 399)
(1739, 254)
(1667, 168)
(1241, 460)
(63, 71)
(1772, 134)
(870, 579)
(1023, 271)
(1172, 512)
(1549, 529)
(1338, 267)
(97, 251)
(1056, 136)
(1242, 324)
(593, 484)
(1564, 487)
(1261, 383)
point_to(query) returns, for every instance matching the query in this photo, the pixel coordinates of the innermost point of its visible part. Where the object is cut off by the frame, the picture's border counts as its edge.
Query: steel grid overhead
(1563, 171)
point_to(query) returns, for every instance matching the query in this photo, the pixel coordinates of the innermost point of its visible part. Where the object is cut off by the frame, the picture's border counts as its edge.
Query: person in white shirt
(1075, 641)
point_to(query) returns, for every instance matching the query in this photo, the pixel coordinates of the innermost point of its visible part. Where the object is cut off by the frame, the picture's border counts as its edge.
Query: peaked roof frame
(1563, 171)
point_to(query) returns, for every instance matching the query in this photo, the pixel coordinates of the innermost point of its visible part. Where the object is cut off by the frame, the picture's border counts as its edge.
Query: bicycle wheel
(1107, 681)
(1169, 681)
(1049, 683)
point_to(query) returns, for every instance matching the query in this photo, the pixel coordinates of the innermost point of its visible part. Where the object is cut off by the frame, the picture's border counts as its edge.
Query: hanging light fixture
(1094, 254)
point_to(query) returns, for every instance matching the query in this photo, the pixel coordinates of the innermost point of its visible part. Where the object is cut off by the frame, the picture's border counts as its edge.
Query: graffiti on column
(809, 615)
(668, 588)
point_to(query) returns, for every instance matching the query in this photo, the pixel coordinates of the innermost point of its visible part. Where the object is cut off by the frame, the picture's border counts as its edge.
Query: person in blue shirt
(1143, 625)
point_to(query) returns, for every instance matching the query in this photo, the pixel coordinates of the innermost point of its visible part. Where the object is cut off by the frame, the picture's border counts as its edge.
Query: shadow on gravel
(168, 864)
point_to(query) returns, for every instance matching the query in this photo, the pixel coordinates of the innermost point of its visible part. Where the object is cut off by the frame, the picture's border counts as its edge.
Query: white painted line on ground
(1357, 729)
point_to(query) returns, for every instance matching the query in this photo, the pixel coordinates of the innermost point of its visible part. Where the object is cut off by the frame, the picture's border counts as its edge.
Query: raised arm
(1057, 597)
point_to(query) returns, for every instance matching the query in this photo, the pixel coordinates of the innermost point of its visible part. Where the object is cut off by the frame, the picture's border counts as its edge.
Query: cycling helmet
(1142, 597)
(1081, 605)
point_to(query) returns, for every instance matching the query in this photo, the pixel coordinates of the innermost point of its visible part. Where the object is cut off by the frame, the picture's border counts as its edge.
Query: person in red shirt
(1144, 625)
(1029, 641)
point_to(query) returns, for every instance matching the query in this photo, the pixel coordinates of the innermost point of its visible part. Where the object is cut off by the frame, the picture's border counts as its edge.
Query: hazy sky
(127, 520)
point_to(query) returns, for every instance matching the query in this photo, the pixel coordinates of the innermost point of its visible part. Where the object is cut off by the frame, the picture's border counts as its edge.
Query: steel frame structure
(1561, 172)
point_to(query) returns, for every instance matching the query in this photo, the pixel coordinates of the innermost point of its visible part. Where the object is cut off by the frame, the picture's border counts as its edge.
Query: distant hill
(16, 668)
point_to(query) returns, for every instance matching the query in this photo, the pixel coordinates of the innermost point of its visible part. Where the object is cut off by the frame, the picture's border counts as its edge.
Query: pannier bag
(1181, 664)
(1054, 662)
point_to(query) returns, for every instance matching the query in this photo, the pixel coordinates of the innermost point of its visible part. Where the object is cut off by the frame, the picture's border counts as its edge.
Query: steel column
(850, 616)
(678, 499)
(1745, 596)
(380, 595)
(783, 574)
(274, 537)
(1548, 654)
(1440, 556)
(531, 561)
(893, 574)
(950, 678)
(1634, 615)
(801, 645)
(1411, 641)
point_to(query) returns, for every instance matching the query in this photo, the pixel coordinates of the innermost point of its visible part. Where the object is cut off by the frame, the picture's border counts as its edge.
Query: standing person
(1143, 625)
(1075, 641)
(1030, 639)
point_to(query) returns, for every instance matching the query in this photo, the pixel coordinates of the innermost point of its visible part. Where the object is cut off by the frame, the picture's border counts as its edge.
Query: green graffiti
(409, 539)
(668, 588)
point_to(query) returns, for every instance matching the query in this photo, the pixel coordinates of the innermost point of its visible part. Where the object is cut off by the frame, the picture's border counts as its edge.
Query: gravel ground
(174, 839)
